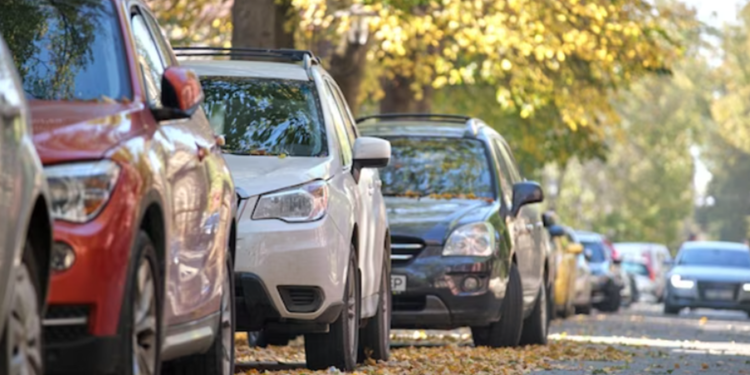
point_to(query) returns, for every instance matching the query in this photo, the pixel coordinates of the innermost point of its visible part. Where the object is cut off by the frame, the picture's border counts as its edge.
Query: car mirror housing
(524, 193)
(181, 94)
(574, 248)
(370, 152)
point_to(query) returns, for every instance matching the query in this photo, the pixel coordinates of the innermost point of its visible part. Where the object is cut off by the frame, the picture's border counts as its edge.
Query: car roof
(715, 245)
(582, 235)
(252, 69)
(428, 128)
(638, 245)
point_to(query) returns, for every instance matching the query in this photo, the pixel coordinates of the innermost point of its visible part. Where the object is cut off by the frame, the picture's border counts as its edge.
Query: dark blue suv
(468, 244)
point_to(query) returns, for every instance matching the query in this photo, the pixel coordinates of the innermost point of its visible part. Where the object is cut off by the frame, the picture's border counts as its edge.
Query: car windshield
(715, 258)
(265, 116)
(67, 49)
(437, 167)
(635, 268)
(595, 250)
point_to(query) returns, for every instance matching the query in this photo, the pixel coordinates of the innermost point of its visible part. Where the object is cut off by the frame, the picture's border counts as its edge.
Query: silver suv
(25, 231)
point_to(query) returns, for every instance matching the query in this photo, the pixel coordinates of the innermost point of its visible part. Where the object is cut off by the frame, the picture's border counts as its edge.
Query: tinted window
(149, 58)
(345, 148)
(66, 49)
(596, 249)
(445, 167)
(506, 186)
(635, 268)
(265, 117)
(715, 258)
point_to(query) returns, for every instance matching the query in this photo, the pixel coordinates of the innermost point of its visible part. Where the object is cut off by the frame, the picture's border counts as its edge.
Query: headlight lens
(299, 204)
(681, 283)
(476, 239)
(79, 191)
(746, 287)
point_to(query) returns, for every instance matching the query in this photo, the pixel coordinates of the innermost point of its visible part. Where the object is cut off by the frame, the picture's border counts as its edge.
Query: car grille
(703, 286)
(65, 323)
(409, 303)
(405, 249)
(301, 299)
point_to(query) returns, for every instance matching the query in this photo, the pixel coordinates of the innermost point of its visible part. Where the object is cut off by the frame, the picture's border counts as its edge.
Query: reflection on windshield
(437, 167)
(265, 117)
(66, 49)
(635, 268)
(714, 258)
(596, 249)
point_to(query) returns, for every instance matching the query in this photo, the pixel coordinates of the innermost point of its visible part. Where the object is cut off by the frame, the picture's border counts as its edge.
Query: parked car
(710, 275)
(569, 271)
(25, 231)
(142, 200)
(629, 292)
(638, 271)
(655, 257)
(468, 244)
(313, 240)
(608, 281)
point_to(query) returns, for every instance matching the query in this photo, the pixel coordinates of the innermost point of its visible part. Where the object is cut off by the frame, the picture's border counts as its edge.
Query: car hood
(433, 219)
(69, 130)
(261, 174)
(721, 274)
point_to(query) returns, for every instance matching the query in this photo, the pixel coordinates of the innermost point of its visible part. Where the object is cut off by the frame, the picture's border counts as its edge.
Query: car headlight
(78, 191)
(681, 283)
(476, 239)
(303, 203)
(746, 287)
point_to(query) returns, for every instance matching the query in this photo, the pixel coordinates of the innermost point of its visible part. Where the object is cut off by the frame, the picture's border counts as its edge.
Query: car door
(371, 250)
(179, 145)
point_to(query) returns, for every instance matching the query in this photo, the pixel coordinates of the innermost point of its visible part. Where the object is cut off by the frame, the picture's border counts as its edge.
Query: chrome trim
(406, 246)
(190, 338)
(65, 322)
(401, 256)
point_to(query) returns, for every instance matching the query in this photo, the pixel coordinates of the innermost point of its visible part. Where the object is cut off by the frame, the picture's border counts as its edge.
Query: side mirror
(524, 193)
(556, 231)
(370, 152)
(181, 94)
(548, 219)
(574, 248)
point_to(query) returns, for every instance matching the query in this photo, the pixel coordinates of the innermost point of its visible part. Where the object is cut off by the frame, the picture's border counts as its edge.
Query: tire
(141, 331)
(584, 310)
(24, 322)
(507, 331)
(635, 294)
(375, 337)
(670, 309)
(535, 326)
(219, 359)
(339, 347)
(614, 298)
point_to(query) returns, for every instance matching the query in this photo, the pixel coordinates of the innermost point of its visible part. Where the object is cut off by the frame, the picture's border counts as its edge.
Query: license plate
(719, 294)
(398, 283)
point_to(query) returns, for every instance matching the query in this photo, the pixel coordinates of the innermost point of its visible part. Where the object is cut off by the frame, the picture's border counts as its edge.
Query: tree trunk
(260, 24)
(399, 98)
(348, 70)
(425, 104)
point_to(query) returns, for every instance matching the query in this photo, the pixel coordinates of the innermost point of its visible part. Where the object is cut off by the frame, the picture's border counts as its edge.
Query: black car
(468, 247)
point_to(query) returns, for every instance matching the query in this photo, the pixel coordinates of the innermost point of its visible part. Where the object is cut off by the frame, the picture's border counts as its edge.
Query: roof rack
(422, 116)
(307, 57)
(472, 124)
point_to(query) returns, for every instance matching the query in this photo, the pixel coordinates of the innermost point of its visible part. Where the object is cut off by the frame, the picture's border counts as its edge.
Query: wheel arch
(152, 221)
(39, 234)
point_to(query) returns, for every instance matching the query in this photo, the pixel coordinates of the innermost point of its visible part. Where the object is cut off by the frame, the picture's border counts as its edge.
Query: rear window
(437, 167)
(66, 49)
(714, 258)
(635, 268)
(266, 116)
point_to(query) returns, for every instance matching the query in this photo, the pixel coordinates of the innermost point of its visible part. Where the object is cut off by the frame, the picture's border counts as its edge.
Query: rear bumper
(87, 356)
(437, 298)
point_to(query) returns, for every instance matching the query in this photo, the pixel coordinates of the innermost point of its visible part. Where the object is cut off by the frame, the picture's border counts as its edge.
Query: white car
(656, 258)
(313, 248)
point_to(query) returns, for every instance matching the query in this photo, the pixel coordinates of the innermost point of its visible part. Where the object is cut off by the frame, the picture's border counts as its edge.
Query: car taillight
(650, 267)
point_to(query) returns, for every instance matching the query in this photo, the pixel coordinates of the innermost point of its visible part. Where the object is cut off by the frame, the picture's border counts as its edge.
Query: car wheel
(141, 331)
(219, 359)
(507, 331)
(535, 326)
(339, 347)
(636, 295)
(613, 298)
(375, 337)
(21, 343)
(583, 309)
(670, 309)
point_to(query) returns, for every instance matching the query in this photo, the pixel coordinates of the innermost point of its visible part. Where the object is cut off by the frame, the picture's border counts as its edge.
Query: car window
(511, 162)
(635, 268)
(506, 184)
(351, 128)
(714, 258)
(67, 50)
(161, 40)
(265, 116)
(345, 147)
(596, 250)
(437, 167)
(149, 59)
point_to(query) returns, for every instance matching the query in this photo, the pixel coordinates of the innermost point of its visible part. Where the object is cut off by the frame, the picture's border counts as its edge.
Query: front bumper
(435, 296)
(698, 297)
(83, 313)
(301, 266)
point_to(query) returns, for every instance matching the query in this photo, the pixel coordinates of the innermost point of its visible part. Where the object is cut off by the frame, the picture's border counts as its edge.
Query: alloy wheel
(24, 330)
(144, 321)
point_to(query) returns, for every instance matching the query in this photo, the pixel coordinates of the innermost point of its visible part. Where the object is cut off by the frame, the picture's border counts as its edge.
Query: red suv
(142, 200)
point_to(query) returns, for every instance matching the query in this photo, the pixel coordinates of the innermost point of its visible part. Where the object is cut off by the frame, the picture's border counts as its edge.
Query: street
(637, 340)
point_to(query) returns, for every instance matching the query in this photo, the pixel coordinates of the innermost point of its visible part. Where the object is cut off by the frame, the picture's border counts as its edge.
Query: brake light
(649, 266)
